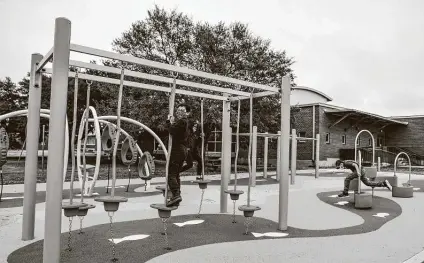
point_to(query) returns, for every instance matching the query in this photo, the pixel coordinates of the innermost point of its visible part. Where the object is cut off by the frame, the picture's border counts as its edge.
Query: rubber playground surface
(322, 227)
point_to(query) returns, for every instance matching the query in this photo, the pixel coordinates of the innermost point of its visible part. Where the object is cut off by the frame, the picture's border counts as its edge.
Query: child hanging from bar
(178, 128)
(354, 167)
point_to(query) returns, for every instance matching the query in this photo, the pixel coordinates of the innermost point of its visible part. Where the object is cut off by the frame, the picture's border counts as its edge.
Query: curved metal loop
(409, 161)
(129, 144)
(174, 74)
(108, 138)
(252, 91)
(373, 145)
(146, 166)
(123, 64)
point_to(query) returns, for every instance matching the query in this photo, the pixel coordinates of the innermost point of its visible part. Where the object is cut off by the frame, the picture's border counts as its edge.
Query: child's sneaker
(174, 201)
(343, 194)
(388, 185)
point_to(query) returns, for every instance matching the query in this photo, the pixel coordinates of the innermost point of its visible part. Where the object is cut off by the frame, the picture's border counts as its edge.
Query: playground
(79, 212)
(322, 228)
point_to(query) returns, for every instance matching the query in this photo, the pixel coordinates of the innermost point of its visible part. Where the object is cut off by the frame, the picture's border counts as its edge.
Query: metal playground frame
(60, 53)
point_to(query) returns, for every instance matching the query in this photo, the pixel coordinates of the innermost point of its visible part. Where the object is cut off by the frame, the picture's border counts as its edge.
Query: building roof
(328, 98)
(407, 117)
(359, 116)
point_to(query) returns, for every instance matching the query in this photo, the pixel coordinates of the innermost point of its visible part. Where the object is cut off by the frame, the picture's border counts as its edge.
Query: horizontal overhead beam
(45, 60)
(155, 78)
(142, 85)
(255, 95)
(172, 68)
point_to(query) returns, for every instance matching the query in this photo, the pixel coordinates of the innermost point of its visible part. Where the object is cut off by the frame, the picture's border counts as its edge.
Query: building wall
(410, 137)
(331, 150)
(303, 124)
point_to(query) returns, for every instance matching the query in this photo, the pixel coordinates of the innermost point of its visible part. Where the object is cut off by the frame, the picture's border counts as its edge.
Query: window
(327, 138)
(344, 139)
(369, 142)
(379, 141)
(301, 134)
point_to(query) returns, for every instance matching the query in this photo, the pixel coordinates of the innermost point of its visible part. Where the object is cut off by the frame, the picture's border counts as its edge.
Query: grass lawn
(13, 171)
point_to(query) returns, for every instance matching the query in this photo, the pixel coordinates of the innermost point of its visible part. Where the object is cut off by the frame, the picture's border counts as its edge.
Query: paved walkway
(384, 238)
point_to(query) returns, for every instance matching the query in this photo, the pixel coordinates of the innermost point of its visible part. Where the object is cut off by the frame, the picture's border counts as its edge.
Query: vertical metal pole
(58, 103)
(84, 149)
(118, 132)
(168, 158)
(285, 154)
(215, 140)
(225, 154)
(74, 128)
(360, 165)
(31, 159)
(318, 142)
(249, 158)
(42, 150)
(266, 157)
(237, 144)
(313, 131)
(254, 153)
(293, 156)
(278, 172)
(203, 139)
(379, 164)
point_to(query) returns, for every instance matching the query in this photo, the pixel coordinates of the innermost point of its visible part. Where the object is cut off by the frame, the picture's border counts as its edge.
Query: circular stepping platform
(163, 210)
(146, 178)
(403, 191)
(82, 211)
(203, 184)
(71, 210)
(234, 194)
(363, 200)
(111, 204)
(249, 210)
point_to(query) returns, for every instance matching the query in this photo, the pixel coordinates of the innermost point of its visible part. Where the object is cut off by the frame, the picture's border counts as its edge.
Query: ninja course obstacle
(60, 56)
(225, 89)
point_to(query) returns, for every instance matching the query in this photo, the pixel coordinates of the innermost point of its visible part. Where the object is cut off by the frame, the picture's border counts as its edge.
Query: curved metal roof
(314, 91)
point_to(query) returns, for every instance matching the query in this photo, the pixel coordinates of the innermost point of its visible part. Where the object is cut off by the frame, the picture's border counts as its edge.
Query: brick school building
(338, 127)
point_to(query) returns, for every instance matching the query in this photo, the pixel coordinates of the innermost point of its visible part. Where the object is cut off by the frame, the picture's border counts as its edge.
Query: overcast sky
(367, 55)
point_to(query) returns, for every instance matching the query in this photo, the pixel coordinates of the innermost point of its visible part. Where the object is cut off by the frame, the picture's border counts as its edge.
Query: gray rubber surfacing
(93, 246)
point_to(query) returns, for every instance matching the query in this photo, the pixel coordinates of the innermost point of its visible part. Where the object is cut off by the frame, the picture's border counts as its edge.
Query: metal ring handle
(129, 144)
(108, 137)
(146, 159)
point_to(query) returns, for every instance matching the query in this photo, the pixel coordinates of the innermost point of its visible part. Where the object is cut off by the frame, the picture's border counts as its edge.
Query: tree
(13, 97)
(231, 50)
